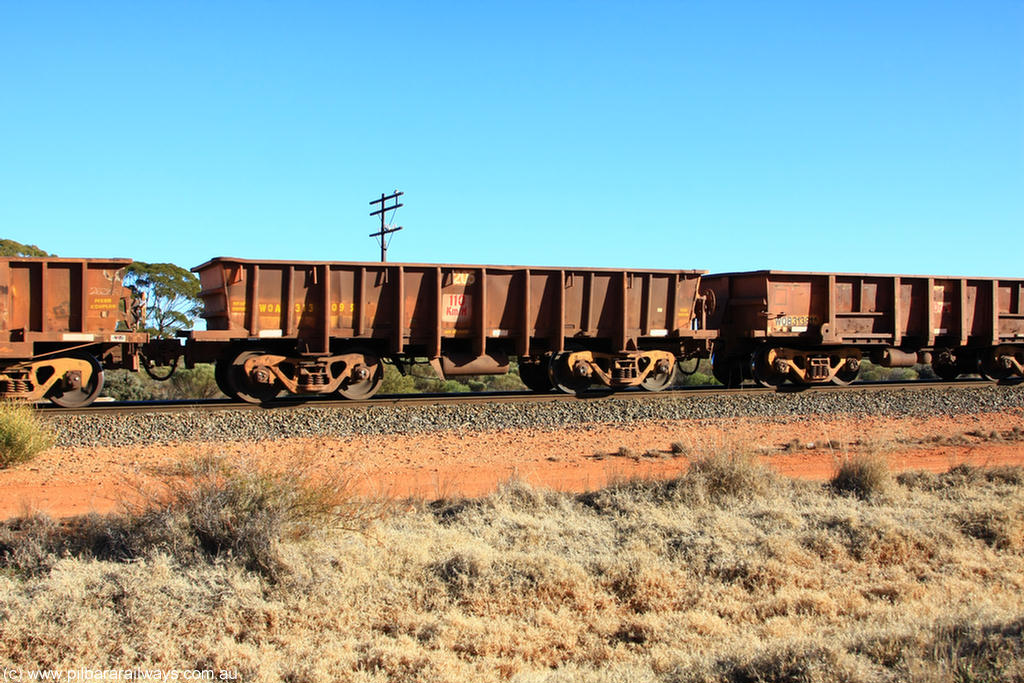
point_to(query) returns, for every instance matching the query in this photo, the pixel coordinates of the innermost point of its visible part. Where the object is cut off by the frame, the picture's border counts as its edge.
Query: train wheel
(946, 364)
(993, 371)
(562, 376)
(658, 381)
(728, 370)
(247, 388)
(535, 377)
(848, 371)
(762, 371)
(946, 371)
(88, 390)
(221, 374)
(367, 377)
(845, 376)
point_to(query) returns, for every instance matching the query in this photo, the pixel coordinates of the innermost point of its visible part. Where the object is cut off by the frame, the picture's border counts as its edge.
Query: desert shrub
(963, 651)
(919, 479)
(453, 386)
(869, 372)
(22, 435)
(27, 545)
(397, 383)
(211, 509)
(122, 385)
(185, 383)
(658, 582)
(714, 479)
(231, 508)
(420, 378)
(197, 382)
(700, 377)
(865, 476)
(1004, 474)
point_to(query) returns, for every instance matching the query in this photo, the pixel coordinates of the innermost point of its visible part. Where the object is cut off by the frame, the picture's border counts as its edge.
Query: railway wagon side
(62, 321)
(320, 327)
(816, 327)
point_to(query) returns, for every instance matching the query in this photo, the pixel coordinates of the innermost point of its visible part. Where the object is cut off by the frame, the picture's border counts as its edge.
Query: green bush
(198, 382)
(869, 372)
(701, 377)
(420, 379)
(122, 385)
(22, 436)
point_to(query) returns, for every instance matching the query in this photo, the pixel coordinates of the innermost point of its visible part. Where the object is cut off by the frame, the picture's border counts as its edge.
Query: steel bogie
(73, 380)
(813, 366)
(258, 375)
(1003, 363)
(575, 371)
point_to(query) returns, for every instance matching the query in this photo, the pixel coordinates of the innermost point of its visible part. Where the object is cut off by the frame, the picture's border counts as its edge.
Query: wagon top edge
(62, 259)
(389, 264)
(914, 276)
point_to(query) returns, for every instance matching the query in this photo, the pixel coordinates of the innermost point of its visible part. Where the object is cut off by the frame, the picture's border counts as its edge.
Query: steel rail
(393, 400)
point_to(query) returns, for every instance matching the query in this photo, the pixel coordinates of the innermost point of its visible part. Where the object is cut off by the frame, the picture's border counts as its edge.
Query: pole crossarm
(385, 229)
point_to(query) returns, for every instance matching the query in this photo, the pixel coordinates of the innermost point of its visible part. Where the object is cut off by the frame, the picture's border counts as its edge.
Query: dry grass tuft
(999, 526)
(22, 435)
(735, 474)
(679, 448)
(865, 476)
(963, 475)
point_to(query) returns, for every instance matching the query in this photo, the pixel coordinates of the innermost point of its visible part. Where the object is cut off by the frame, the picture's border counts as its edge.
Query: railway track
(284, 404)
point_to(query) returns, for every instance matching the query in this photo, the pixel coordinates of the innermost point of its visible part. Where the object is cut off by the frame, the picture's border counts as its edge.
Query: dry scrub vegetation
(22, 436)
(728, 573)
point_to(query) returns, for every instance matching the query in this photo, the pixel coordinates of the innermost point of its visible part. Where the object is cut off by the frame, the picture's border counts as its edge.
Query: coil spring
(624, 370)
(15, 386)
(312, 380)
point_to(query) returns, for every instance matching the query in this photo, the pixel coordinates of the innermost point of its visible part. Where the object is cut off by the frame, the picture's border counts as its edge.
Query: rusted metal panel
(54, 296)
(425, 308)
(865, 309)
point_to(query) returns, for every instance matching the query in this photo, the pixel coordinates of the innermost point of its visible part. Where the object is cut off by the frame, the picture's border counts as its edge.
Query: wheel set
(257, 375)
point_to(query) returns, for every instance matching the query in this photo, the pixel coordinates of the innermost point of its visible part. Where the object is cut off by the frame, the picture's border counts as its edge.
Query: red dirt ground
(70, 481)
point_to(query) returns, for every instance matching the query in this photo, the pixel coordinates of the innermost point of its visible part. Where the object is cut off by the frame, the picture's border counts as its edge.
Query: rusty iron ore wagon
(323, 327)
(806, 328)
(62, 321)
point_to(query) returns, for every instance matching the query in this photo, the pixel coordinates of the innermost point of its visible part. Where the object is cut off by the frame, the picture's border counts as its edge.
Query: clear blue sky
(857, 136)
